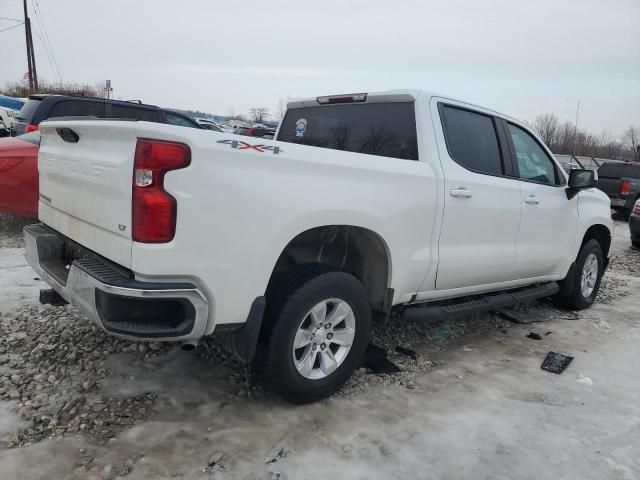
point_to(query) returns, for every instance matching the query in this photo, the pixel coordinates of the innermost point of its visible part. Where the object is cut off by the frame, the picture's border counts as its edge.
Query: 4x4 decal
(247, 146)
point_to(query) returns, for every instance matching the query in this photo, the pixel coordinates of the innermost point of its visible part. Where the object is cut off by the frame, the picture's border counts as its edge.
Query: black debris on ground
(407, 352)
(282, 453)
(375, 359)
(556, 362)
(534, 336)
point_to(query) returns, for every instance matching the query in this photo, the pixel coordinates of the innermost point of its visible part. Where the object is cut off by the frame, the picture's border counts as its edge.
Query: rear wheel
(318, 336)
(580, 291)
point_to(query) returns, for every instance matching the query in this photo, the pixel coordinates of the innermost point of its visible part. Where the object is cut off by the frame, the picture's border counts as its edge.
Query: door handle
(532, 199)
(461, 192)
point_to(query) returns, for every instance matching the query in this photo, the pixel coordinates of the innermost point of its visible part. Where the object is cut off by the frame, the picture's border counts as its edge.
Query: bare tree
(20, 89)
(281, 109)
(631, 140)
(259, 114)
(546, 126)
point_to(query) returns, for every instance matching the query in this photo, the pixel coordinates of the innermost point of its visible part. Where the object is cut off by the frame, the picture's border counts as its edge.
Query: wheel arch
(602, 234)
(342, 247)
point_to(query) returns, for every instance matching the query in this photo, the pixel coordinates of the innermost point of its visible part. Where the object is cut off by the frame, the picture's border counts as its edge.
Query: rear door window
(382, 129)
(77, 108)
(472, 140)
(134, 113)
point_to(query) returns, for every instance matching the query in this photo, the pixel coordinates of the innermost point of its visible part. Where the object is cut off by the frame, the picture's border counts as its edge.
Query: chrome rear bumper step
(110, 295)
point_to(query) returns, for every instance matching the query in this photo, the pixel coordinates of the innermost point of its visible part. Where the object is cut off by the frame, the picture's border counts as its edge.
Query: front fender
(594, 208)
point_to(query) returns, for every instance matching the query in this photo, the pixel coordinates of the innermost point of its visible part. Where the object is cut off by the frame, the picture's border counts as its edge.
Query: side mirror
(580, 180)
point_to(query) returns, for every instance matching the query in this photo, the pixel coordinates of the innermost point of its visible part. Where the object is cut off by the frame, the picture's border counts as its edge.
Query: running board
(433, 312)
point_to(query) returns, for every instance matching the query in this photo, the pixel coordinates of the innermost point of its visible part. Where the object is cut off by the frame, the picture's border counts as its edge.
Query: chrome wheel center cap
(320, 335)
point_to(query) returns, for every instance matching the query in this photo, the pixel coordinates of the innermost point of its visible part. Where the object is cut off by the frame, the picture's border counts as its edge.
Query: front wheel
(318, 337)
(580, 291)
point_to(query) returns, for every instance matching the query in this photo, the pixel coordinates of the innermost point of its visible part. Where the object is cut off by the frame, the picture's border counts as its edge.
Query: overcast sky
(520, 57)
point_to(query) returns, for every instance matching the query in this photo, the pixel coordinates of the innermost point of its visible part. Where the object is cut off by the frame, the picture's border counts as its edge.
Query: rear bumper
(110, 296)
(618, 202)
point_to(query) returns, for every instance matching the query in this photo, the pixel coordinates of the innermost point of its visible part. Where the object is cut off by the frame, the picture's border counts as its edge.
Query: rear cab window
(619, 170)
(382, 129)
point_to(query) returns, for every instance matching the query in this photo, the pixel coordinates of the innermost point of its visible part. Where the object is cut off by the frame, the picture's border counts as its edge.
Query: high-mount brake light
(349, 98)
(154, 211)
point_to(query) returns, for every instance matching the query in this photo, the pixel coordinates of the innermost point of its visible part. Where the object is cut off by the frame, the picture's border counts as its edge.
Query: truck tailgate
(86, 185)
(609, 185)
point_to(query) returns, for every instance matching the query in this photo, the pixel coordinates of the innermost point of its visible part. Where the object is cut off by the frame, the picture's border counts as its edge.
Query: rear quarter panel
(238, 209)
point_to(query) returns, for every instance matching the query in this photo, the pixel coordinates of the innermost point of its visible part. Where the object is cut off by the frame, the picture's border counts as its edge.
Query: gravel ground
(626, 262)
(52, 360)
(52, 365)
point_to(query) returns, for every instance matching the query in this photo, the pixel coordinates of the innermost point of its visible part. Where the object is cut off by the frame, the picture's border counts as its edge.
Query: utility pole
(575, 129)
(31, 59)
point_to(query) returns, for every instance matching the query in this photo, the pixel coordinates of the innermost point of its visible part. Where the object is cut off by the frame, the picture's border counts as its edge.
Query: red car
(19, 175)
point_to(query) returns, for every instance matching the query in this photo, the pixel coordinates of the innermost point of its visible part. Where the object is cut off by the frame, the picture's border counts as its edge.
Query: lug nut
(323, 346)
(314, 346)
(327, 326)
(329, 336)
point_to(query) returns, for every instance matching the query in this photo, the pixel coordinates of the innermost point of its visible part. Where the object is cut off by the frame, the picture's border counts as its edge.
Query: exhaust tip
(188, 346)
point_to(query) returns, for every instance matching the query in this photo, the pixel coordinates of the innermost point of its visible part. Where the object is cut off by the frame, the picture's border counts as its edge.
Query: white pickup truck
(363, 204)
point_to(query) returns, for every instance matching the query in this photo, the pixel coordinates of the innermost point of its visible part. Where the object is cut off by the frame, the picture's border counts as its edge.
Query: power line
(7, 1)
(40, 20)
(46, 50)
(44, 44)
(12, 19)
(13, 26)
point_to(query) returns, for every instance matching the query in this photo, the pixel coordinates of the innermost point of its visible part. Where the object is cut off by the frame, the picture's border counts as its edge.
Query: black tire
(289, 300)
(636, 244)
(570, 295)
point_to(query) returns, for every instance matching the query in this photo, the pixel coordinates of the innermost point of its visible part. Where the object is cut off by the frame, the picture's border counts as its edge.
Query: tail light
(625, 187)
(153, 209)
(30, 128)
(636, 209)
